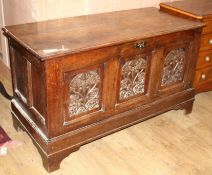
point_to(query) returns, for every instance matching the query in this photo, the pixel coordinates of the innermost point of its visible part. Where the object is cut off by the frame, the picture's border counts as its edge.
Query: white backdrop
(22, 11)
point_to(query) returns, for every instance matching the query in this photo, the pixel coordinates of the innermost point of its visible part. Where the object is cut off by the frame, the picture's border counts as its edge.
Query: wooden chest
(78, 79)
(199, 10)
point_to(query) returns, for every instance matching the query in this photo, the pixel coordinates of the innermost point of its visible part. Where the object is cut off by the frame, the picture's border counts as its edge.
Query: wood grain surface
(64, 36)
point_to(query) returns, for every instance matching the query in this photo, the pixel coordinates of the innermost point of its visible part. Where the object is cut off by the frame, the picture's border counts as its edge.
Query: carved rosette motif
(173, 67)
(84, 92)
(133, 77)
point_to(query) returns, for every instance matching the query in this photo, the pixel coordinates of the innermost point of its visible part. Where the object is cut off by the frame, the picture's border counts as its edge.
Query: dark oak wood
(121, 68)
(199, 11)
(71, 35)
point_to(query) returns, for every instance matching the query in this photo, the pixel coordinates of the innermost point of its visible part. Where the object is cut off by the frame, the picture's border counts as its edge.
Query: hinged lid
(49, 39)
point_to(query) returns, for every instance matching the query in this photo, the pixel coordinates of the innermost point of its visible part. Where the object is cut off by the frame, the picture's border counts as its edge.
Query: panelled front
(28, 83)
(116, 80)
(113, 80)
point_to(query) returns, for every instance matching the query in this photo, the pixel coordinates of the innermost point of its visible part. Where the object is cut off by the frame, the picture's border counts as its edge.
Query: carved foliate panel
(173, 67)
(133, 77)
(84, 92)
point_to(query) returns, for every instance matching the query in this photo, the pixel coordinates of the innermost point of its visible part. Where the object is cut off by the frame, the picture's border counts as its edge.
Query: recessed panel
(173, 69)
(133, 73)
(82, 92)
(37, 89)
(20, 66)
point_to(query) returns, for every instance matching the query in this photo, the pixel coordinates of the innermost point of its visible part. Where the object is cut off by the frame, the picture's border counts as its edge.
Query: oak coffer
(198, 10)
(78, 79)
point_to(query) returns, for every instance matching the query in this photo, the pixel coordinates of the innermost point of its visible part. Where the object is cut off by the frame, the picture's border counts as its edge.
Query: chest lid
(55, 38)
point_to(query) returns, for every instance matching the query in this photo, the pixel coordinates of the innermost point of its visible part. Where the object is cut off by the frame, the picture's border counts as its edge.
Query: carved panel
(133, 77)
(84, 92)
(173, 67)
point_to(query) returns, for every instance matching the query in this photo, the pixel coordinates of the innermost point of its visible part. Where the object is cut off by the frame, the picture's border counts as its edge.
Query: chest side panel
(28, 83)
